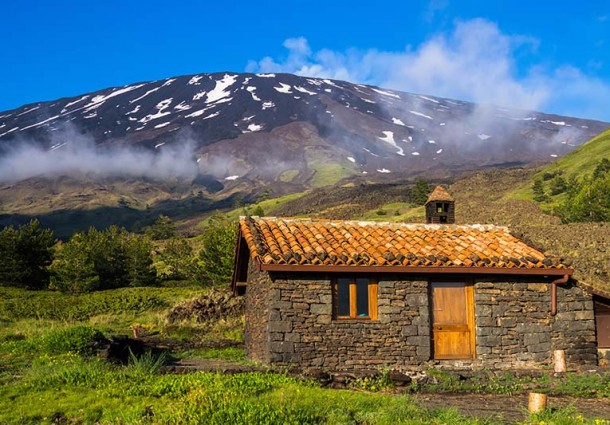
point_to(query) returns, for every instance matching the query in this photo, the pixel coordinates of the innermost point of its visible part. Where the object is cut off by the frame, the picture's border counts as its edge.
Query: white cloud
(475, 62)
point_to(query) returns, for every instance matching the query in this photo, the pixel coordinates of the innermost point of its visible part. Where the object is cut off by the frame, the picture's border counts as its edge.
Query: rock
(399, 379)
(215, 305)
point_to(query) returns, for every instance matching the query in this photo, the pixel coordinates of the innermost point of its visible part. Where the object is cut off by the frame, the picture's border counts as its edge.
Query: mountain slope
(287, 131)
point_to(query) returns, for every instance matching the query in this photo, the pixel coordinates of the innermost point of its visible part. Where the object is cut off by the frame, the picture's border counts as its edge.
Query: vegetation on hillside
(112, 258)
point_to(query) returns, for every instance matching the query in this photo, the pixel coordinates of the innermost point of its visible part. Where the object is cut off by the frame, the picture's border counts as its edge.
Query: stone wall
(289, 323)
(256, 336)
(514, 327)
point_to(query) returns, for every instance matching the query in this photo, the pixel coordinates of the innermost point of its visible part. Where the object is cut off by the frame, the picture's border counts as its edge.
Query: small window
(355, 298)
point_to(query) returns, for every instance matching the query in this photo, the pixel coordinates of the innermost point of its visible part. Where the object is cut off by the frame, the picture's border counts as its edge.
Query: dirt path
(511, 409)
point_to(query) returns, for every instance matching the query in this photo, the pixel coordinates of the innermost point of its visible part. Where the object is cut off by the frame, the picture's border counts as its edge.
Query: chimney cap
(439, 194)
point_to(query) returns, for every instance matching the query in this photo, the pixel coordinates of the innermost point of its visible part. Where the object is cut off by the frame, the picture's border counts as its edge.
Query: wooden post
(559, 357)
(537, 402)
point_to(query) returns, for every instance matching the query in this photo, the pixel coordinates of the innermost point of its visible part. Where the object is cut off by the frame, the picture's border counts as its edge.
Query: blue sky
(552, 56)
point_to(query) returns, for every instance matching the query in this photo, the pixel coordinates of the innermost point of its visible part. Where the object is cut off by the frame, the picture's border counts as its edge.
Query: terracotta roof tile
(274, 240)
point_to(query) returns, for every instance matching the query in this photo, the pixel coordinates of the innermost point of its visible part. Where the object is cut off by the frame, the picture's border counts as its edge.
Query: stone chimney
(440, 207)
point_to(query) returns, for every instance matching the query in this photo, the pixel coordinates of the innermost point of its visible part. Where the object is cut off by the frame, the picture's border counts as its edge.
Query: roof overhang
(414, 269)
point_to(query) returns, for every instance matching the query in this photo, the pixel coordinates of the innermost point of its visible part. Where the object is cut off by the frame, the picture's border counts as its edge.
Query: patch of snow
(397, 121)
(255, 127)
(162, 124)
(168, 82)
(429, 99)
(439, 151)
(136, 109)
(182, 106)
(215, 114)
(37, 124)
(365, 172)
(314, 82)
(219, 90)
(584, 126)
(198, 160)
(145, 94)
(161, 106)
(419, 114)
(328, 90)
(28, 111)
(374, 154)
(248, 118)
(132, 119)
(351, 159)
(158, 145)
(389, 138)
(555, 122)
(415, 153)
(553, 155)
(523, 119)
(284, 88)
(252, 89)
(97, 101)
(59, 145)
(384, 171)
(442, 123)
(386, 93)
(367, 100)
(297, 97)
(267, 105)
(304, 90)
(330, 83)
(199, 95)
(195, 80)
(483, 136)
(265, 75)
(232, 178)
(91, 115)
(74, 103)
(432, 142)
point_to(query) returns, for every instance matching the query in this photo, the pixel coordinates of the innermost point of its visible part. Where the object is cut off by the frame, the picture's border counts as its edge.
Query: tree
(538, 189)
(420, 192)
(590, 203)
(25, 254)
(106, 259)
(139, 261)
(73, 270)
(179, 259)
(162, 228)
(218, 249)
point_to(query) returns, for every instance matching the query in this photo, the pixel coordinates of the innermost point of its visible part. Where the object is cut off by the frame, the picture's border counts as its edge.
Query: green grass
(288, 175)
(327, 174)
(580, 162)
(48, 374)
(394, 212)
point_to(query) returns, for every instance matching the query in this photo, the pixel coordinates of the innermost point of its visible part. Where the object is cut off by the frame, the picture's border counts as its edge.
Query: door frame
(470, 314)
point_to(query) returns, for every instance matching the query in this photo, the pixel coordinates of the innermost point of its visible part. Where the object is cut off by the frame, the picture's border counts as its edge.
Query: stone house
(351, 295)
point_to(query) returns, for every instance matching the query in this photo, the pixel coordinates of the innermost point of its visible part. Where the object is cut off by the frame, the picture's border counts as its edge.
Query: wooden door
(453, 320)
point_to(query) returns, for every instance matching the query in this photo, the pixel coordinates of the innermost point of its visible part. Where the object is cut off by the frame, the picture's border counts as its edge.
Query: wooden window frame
(372, 298)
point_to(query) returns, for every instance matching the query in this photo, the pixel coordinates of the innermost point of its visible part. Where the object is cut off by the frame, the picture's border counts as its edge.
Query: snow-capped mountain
(295, 130)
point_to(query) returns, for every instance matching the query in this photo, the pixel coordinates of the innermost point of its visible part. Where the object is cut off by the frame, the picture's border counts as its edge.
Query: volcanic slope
(255, 130)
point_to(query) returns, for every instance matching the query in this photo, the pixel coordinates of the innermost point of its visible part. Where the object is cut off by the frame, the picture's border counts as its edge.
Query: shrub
(76, 340)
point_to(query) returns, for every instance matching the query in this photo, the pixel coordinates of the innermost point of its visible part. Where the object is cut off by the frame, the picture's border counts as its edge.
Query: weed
(147, 363)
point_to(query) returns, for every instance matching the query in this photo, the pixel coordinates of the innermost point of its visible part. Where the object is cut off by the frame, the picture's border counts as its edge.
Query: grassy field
(50, 373)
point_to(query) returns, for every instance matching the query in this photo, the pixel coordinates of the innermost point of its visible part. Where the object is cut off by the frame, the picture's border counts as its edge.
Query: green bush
(76, 340)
